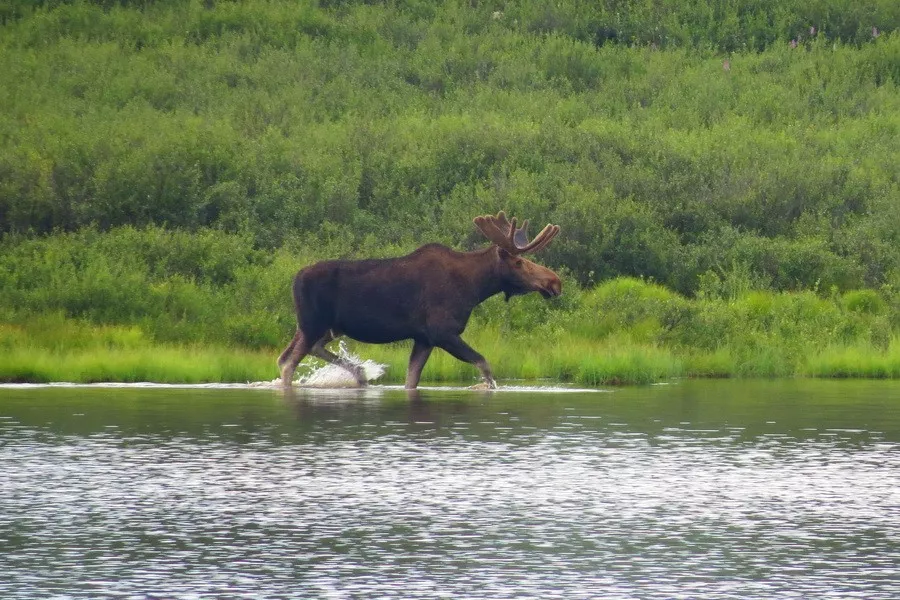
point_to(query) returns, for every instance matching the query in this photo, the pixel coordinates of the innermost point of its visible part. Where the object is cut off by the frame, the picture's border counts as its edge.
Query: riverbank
(582, 363)
(175, 307)
(640, 350)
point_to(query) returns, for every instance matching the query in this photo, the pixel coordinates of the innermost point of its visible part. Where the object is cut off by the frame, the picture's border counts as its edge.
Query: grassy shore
(54, 350)
(624, 331)
(609, 363)
(582, 362)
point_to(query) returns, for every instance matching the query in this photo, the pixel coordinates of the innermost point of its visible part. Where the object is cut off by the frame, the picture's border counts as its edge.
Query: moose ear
(504, 254)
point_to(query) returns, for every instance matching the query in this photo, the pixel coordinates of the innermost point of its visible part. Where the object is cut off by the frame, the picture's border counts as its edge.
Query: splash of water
(326, 375)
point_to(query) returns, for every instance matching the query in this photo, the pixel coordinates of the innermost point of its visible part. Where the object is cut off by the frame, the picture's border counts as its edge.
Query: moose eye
(519, 263)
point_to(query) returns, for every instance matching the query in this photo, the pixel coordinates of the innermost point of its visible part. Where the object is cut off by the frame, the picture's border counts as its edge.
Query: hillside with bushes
(167, 165)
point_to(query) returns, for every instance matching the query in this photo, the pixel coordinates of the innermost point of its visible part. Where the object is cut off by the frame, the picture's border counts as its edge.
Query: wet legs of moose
(454, 345)
(291, 357)
(320, 351)
(420, 353)
(299, 348)
(464, 352)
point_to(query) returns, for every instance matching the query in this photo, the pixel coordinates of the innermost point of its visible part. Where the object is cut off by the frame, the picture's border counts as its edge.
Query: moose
(426, 296)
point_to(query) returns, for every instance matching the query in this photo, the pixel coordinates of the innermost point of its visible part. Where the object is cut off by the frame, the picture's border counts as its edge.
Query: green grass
(623, 331)
(857, 362)
(585, 362)
(168, 167)
(161, 364)
(53, 349)
(524, 357)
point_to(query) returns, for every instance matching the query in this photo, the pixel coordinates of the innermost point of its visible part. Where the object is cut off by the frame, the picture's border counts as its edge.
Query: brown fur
(426, 296)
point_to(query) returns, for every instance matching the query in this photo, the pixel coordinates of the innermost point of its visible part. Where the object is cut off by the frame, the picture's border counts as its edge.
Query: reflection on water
(697, 489)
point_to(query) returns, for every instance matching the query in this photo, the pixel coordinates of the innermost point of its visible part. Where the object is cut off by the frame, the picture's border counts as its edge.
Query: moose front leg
(417, 359)
(464, 352)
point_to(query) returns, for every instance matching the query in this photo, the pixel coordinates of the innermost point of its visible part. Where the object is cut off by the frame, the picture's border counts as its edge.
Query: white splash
(333, 376)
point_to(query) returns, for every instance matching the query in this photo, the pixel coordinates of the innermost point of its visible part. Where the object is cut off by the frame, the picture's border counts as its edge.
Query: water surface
(727, 489)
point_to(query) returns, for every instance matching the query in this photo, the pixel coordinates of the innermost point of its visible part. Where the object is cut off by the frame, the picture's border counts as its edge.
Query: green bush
(351, 122)
(864, 302)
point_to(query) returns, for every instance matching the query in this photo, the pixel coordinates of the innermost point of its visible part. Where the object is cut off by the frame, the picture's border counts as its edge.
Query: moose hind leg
(320, 351)
(283, 358)
(291, 357)
(464, 352)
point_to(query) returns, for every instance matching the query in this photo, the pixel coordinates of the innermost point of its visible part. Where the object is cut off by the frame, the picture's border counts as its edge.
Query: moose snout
(551, 288)
(556, 287)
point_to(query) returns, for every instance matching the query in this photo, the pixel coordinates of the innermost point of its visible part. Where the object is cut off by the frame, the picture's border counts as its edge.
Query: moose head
(519, 275)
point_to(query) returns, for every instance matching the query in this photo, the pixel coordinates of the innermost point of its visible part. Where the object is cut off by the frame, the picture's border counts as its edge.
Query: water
(692, 490)
(325, 375)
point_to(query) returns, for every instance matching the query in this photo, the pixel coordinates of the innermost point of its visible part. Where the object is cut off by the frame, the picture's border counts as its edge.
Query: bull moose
(426, 296)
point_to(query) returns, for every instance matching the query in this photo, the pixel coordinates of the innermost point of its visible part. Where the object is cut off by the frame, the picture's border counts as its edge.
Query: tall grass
(75, 352)
(527, 357)
(856, 361)
(640, 351)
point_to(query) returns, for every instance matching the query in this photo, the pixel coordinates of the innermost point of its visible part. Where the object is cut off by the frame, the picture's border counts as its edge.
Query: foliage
(724, 173)
(670, 144)
(91, 305)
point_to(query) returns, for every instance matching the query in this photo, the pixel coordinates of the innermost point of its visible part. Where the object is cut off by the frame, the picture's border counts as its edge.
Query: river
(695, 489)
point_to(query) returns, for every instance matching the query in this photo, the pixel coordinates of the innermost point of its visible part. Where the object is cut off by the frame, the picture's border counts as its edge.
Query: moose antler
(504, 233)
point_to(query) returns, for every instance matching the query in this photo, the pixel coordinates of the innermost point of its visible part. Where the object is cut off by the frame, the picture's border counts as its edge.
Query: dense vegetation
(168, 165)
(180, 304)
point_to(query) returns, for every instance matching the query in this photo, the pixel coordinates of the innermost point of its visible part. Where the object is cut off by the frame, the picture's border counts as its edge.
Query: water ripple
(486, 504)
